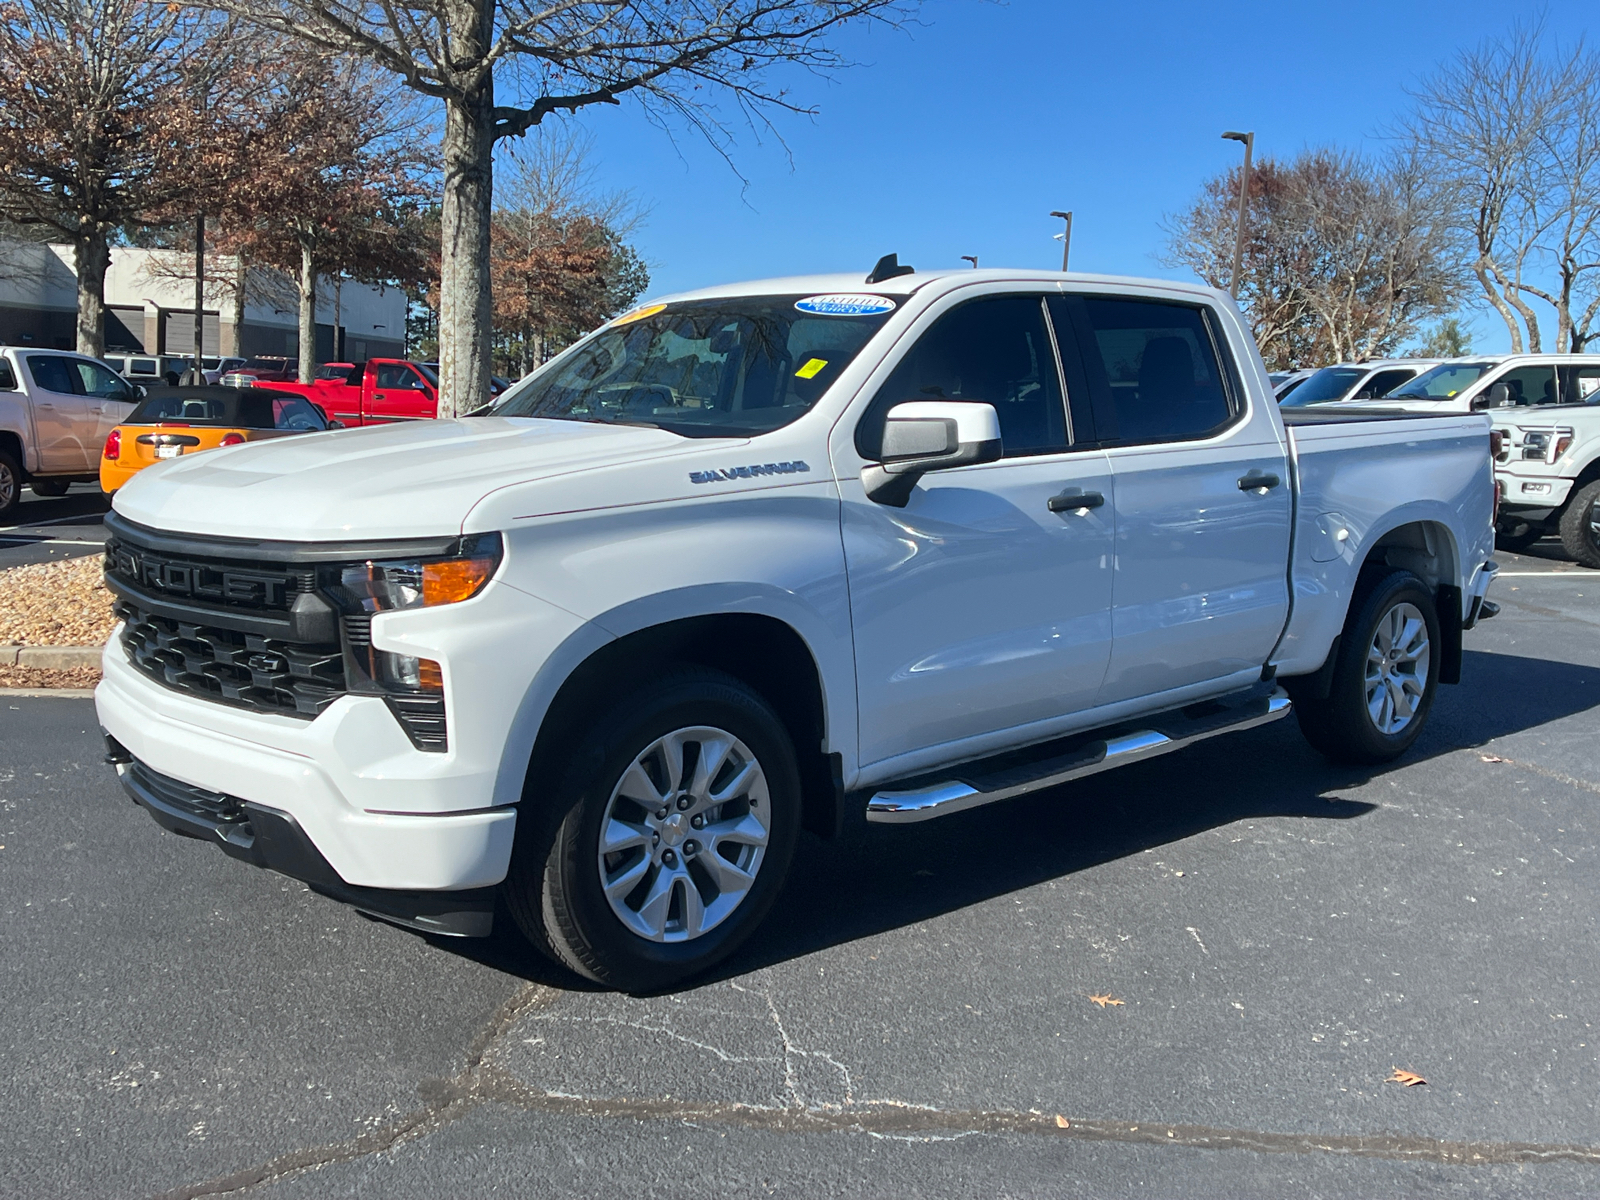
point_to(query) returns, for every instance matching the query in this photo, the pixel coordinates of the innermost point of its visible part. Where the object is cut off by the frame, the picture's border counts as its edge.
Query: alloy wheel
(8, 485)
(684, 834)
(1397, 668)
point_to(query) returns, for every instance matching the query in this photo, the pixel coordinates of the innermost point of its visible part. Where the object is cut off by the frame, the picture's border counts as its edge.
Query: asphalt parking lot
(44, 529)
(1271, 938)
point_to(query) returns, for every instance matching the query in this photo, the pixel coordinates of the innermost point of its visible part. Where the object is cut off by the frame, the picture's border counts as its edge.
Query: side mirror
(1498, 396)
(929, 435)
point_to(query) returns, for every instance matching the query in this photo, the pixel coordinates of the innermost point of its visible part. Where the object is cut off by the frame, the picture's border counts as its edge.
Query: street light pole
(199, 288)
(1066, 237)
(1249, 140)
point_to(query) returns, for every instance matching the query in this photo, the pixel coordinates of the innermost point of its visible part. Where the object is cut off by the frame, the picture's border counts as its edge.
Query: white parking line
(24, 540)
(1593, 578)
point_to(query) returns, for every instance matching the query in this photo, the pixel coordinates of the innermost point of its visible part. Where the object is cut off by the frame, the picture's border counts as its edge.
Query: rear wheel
(10, 483)
(50, 488)
(1580, 526)
(668, 840)
(1385, 677)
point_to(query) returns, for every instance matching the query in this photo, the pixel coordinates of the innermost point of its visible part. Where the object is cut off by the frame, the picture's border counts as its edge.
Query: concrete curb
(60, 693)
(51, 658)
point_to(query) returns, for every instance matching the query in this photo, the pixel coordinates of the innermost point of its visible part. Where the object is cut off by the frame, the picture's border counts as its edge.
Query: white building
(150, 307)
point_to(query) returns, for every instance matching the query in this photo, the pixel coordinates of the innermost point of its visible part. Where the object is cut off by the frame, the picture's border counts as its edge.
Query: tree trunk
(465, 309)
(93, 257)
(308, 314)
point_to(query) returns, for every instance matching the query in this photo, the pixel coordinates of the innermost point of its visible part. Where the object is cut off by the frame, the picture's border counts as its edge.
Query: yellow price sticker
(638, 314)
(812, 367)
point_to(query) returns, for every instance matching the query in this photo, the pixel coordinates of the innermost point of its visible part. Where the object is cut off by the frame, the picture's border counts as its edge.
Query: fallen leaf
(1062, 1122)
(1408, 1078)
(1491, 758)
(1104, 1000)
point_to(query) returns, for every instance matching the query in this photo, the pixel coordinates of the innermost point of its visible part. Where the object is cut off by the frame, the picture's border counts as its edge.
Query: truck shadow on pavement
(878, 878)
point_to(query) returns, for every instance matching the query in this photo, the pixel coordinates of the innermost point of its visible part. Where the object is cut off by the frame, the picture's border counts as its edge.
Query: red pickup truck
(376, 392)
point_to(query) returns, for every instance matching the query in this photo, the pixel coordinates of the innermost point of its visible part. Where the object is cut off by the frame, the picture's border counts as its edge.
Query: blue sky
(958, 135)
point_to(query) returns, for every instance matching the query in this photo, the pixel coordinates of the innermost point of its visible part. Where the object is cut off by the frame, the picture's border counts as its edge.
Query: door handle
(1259, 481)
(1074, 500)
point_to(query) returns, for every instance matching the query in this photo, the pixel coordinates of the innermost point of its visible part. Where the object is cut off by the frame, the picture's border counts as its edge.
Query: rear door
(1202, 496)
(66, 429)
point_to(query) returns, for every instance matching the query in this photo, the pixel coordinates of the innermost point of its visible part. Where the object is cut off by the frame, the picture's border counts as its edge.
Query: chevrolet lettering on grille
(198, 581)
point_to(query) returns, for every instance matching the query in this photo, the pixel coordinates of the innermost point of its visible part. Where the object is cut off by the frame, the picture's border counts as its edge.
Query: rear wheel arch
(763, 652)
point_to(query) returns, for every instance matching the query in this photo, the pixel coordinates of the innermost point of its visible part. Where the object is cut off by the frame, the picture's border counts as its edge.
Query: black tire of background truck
(10, 483)
(1578, 537)
(1515, 536)
(553, 890)
(50, 488)
(1340, 725)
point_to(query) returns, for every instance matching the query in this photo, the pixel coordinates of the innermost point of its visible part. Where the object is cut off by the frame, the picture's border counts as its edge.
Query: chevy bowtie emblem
(754, 471)
(265, 664)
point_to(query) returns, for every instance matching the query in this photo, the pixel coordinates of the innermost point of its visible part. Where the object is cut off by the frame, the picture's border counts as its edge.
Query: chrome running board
(1004, 776)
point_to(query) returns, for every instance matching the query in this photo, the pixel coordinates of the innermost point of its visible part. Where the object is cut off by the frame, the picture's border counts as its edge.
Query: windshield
(1330, 383)
(732, 367)
(1443, 381)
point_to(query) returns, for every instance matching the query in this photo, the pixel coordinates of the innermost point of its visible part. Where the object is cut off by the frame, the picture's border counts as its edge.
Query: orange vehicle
(174, 421)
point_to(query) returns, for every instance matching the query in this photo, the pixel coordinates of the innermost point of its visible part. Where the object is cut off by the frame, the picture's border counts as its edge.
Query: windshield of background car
(732, 367)
(1330, 383)
(1443, 381)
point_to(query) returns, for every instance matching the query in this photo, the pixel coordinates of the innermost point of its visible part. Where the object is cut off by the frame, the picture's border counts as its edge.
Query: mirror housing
(930, 435)
(1498, 396)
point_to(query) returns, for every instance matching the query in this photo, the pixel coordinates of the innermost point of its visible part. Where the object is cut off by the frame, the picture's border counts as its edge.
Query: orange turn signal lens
(455, 579)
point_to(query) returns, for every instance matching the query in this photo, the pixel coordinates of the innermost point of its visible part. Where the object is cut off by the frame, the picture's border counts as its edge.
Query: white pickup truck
(764, 558)
(56, 410)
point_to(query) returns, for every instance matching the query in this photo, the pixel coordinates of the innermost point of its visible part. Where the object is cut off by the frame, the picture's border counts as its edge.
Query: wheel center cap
(673, 829)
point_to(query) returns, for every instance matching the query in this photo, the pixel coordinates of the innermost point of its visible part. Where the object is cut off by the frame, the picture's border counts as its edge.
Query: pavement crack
(444, 1102)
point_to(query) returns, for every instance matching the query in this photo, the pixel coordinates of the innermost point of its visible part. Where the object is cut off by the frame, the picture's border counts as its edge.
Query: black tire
(1514, 536)
(1341, 725)
(555, 891)
(50, 489)
(10, 483)
(1579, 537)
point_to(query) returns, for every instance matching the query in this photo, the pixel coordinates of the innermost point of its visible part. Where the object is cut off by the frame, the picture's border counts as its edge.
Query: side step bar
(1008, 775)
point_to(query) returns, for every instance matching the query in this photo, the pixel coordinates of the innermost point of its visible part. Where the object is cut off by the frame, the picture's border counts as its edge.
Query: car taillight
(232, 439)
(1496, 443)
(113, 449)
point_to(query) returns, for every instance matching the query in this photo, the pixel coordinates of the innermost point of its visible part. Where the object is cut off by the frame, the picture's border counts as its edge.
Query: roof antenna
(889, 268)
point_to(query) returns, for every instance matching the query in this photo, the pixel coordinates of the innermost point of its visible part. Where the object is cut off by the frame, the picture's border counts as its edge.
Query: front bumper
(271, 838)
(340, 778)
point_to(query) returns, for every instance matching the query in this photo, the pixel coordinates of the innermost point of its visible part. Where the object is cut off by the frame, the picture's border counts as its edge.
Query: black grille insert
(243, 669)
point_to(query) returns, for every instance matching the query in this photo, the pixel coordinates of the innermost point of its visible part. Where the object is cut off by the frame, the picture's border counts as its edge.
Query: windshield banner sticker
(751, 472)
(846, 304)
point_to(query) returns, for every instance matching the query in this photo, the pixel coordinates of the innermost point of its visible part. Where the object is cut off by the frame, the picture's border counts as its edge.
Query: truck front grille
(264, 674)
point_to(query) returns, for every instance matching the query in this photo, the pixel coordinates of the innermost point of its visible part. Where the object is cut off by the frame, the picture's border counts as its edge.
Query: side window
(142, 366)
(1530, 385)
(1383, 383)
(995, 351)
(294, 412)
(396, 376)
(1152, 369)
(51, 373)
(95, 380)
(8, 379)
(1580, 385)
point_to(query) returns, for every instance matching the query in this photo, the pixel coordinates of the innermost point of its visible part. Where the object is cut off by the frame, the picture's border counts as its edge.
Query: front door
(107, 397)
(399, 394)
(976, 609)
(67, 431)
(1202, 498)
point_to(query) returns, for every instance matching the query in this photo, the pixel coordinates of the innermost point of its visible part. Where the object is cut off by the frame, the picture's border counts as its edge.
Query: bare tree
(562, 264)
(1343, 257)
(110, 111)
(501, 67)
(1510, 132)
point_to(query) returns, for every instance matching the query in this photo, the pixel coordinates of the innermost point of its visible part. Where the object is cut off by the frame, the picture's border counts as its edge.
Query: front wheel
(1385, 677)
(1580, 526)
(50, 488)
(668, 840)
(10, 483)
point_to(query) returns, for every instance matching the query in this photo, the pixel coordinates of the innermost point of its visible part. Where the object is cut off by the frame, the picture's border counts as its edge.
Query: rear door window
(1153, 370)
(1580, 385)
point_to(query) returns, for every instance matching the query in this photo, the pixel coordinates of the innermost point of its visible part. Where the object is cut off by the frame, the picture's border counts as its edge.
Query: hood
(417, 479)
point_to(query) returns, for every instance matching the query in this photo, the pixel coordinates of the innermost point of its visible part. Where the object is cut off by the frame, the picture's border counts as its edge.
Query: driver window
(95, 380)
(395, 376)
(1530, 385)
(995, 351)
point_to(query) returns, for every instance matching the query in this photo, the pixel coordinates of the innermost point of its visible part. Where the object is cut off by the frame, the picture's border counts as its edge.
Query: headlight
(374, 587)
